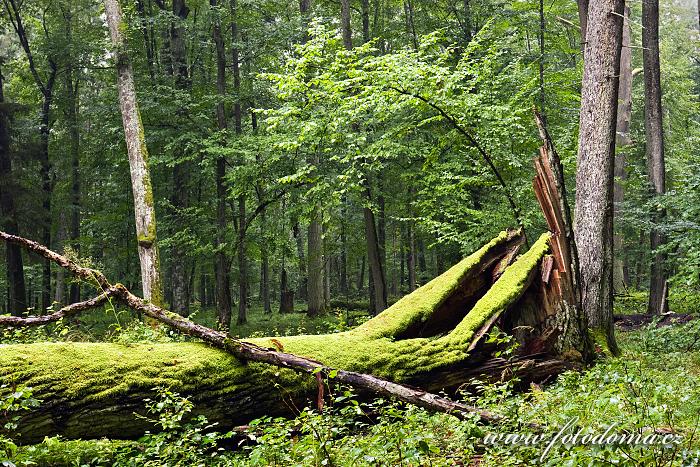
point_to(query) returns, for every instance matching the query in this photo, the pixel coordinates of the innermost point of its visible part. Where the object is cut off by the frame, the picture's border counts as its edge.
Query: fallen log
(638, 321)
(92, 390)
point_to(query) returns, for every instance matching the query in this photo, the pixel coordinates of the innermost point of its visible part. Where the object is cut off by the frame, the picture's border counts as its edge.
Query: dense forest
(495, 201)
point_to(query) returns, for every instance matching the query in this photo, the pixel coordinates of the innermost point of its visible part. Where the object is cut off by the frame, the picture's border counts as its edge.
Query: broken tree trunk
(432, 338)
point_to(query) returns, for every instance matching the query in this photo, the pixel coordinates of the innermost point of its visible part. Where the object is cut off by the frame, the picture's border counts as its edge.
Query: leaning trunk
(138, 160)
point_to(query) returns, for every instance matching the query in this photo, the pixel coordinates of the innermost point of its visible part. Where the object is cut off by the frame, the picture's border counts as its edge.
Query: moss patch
(89, 371)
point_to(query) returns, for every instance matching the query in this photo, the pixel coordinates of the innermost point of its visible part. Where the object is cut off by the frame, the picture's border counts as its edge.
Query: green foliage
(13, 401)
(180, 440)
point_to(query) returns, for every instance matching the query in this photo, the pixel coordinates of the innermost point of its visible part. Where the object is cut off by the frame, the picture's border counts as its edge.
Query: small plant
(181, 441)
(19, 399)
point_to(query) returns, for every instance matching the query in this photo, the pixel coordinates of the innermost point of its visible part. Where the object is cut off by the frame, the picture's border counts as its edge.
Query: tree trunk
(583, 21)
(181, 170)
(222, 264)
(17, 295)
(375, 264)
(302, 288)
(138, 160)
(314, 286)
(622, 141)
(595, 170)
(345, 23)
(74, 131)
(238, 127)
(434, 338)
(653, 127)
(242, 264)
(364, 7)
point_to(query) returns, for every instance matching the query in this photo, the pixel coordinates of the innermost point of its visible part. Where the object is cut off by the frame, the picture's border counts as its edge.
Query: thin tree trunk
(622, 141)
(16, 296)
(410, 25)
(72, 87)
(296, 231)
(595, 170)
(653, 125)
(364, 5)
(583, 20)
(222, 263)
(138, 160)
(181, 170)
(148, 45)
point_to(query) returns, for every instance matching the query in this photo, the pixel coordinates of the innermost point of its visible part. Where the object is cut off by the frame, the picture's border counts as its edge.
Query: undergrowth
(651, 390)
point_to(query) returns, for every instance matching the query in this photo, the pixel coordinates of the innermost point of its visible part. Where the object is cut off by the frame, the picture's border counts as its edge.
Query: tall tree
(138, 159)
(17, 298)
(653, 126)
(72, 83)
(316, 304)
(222, 263)
(377, 281)
(181, 170)
(622, 141)
(594, 172)
(45, 85)
(238, 127)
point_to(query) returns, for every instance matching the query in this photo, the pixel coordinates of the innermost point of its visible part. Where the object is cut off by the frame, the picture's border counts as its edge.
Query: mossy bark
(92, 390)
(144, 210)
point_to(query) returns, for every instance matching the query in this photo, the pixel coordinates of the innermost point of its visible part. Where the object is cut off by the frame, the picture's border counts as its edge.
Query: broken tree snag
(92, 389)
(559, 296)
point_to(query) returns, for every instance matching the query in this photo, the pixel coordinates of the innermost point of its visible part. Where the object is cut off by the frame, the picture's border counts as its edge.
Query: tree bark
(345, 24)
(583, 21)
(222, 263)
(72, 83)
(595, 170)
(314, 285)
(138, 160)
(653, 126)
(622, 141)
(181, 170)
(17, 295)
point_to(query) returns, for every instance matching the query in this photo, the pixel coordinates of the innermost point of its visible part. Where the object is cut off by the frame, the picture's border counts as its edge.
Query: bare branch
(65, 312)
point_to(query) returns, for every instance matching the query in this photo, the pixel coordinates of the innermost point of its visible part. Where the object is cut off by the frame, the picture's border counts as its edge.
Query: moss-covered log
(92, 390)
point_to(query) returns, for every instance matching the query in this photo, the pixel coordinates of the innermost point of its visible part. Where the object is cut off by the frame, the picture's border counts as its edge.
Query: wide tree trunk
(17, 295)
(595, 169)
(622, 141)
(433, 338)
(138, 160)
(653, 126)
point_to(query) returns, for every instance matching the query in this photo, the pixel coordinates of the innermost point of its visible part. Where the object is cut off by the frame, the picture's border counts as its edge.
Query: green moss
(416, 307)
(93, 371)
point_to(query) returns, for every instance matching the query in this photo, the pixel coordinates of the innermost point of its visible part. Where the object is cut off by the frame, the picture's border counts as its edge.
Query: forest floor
(652, 389)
